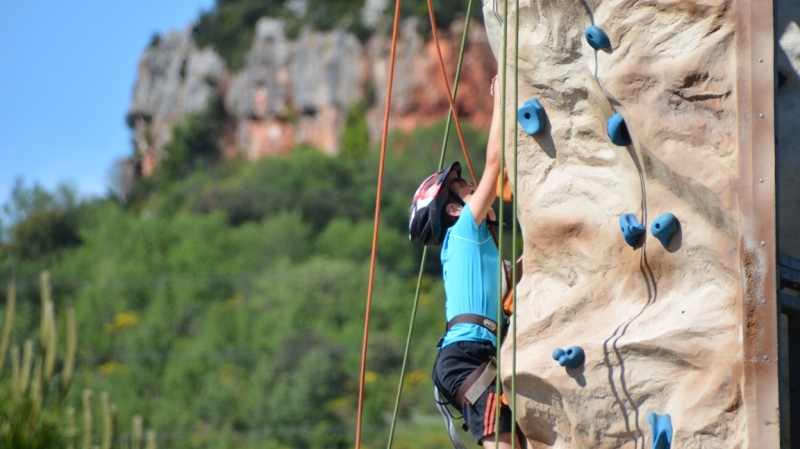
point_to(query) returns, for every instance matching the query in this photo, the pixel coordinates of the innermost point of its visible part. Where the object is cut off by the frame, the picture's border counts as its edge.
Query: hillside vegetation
(229, 27)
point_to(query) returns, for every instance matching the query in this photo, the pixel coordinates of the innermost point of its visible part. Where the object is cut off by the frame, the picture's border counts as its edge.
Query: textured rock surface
(418, 90)
(665, 329)
(258, 93)
(298, 92)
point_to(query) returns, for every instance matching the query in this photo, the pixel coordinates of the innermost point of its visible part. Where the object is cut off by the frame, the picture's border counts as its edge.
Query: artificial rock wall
(685, 329)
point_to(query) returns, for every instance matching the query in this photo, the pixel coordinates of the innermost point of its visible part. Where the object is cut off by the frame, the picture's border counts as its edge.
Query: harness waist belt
(472, 318)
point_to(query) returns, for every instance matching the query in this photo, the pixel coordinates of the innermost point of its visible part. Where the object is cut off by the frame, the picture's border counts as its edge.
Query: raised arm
(482, 199)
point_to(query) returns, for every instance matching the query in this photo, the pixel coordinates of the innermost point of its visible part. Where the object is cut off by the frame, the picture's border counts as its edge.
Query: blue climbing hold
(532, 117)
(618, 131)
(573, 357)
(631, 228)
(662, 430)
(597, 38)
(663, 227)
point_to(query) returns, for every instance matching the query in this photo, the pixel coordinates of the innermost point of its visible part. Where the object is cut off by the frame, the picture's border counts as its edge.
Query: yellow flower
(235, 300)
(226, 372)
(122, 321)
(414, 378)
(109, 367)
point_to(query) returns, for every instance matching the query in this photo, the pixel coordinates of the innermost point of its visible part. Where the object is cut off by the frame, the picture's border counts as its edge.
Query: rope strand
(501, 268)
(514, 244)
(377, 222)
(447, 85)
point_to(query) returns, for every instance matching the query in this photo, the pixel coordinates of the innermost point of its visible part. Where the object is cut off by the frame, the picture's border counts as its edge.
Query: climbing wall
(646, 199)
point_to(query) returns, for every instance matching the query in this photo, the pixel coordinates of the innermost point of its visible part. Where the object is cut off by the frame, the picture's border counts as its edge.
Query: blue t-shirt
(470, 270)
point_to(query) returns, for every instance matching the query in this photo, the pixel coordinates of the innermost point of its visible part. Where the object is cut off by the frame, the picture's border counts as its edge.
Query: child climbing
(451, 211)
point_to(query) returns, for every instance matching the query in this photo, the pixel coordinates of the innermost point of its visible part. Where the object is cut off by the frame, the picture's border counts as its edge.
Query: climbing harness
(472, 318)
(448, 419)
(469, 392)
(476, 383)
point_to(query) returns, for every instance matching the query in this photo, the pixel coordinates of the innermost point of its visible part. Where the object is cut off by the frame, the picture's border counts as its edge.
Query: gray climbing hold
(573, 357)
(618, 131)
(662, 430)
(663, 227)
(532, 116)
(597, 38)
(631, 228)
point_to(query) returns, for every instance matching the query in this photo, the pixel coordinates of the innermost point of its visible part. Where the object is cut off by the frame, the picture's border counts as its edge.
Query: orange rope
(455, 114)
(377, 222)
(449, 94)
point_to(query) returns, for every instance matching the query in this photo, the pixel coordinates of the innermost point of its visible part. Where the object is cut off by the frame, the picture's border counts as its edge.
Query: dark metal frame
(789, 347)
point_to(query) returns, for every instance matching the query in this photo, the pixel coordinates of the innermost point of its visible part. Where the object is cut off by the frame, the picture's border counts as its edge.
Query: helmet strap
(462, 203)
(456, 198)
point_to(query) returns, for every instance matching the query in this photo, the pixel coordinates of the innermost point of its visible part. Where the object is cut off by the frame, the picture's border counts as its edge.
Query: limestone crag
(257, 94)
(174, 79)
(418, 89)
(293, 92)
(667, 329)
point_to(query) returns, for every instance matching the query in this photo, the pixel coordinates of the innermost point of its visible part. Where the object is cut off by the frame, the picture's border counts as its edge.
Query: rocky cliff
(685, 327)
(293, 92)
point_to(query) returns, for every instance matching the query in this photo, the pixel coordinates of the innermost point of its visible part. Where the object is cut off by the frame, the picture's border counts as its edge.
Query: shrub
(445, 11)
(195, 143)
(230, 26)
(355, 138)
(41, 224)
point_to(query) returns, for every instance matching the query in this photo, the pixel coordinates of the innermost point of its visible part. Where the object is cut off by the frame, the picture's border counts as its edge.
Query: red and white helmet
(430, 198)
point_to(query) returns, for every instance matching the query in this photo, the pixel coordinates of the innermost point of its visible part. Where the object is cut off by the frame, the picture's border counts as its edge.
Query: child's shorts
(453, 364)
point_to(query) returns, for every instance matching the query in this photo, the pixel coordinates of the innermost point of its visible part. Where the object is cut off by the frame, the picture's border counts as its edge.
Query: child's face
(463, 188)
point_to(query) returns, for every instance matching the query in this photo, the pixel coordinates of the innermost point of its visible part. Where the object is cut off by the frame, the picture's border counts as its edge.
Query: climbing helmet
(430, 199)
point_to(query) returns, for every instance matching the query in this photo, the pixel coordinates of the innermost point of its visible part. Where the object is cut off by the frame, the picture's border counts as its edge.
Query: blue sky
(67, 70)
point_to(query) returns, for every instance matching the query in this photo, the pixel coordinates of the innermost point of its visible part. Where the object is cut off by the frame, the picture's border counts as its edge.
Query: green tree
(41, 224)
(194, 144)
(445, 12)
(355, 138)
(229, 27)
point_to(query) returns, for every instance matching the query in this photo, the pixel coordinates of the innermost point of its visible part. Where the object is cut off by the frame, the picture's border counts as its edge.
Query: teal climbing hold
(631, 228)
(663, 227)
(662, 430)
(618, 131)
(532, 117)
(573, 357)
(597, 38)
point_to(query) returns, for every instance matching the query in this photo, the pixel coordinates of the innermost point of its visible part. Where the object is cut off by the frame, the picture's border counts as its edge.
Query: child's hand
(495, 89)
